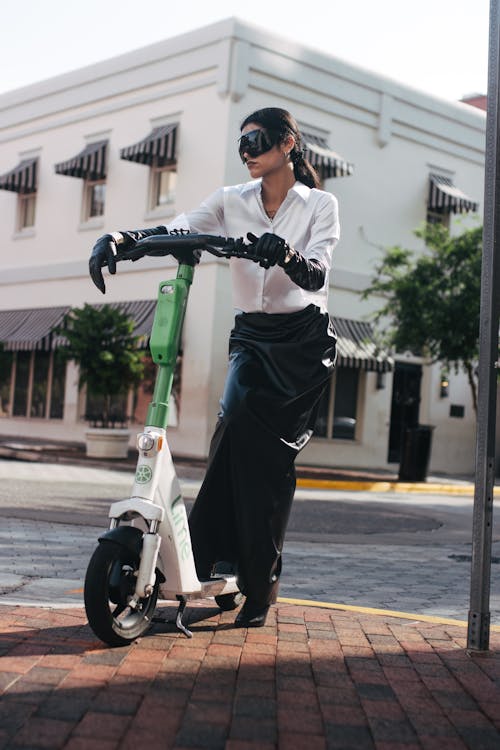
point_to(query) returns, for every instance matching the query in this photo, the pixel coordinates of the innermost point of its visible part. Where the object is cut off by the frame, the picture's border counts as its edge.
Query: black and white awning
(444, 196)
(30, 329)
(158, 148)
(21, 179)
(89, 164)
(356, 347)
(33, 328)
(325, 161)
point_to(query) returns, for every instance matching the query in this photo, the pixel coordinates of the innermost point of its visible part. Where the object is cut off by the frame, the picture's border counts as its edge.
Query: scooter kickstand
(178, 620)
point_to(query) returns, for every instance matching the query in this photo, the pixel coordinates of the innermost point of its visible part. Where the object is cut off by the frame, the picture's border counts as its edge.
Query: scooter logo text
(143, 474)
(180, 526)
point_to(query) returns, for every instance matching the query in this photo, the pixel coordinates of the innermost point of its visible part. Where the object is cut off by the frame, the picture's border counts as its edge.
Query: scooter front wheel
(109, 587)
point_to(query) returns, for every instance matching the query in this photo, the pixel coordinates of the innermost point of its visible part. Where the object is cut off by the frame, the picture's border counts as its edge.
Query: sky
(436, 46)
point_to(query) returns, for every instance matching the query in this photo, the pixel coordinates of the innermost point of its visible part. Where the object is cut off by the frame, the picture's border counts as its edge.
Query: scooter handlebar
(164, 244)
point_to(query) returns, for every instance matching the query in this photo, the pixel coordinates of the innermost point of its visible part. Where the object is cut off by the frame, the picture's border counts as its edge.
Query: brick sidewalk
(313, 678)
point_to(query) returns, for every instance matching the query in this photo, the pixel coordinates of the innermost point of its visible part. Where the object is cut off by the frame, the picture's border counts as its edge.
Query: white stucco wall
(208, 81)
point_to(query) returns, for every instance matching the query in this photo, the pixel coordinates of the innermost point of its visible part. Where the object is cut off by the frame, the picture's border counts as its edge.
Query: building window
(32, 384)
(445, 198)
(94, 198)
(163, 185)
(57, 379)
(21, 384)
(158, 151)
(40, 384)
(6, 359)
(436, 216)
(337, 413)
(23, 180)
(89, 165)
(26, 211)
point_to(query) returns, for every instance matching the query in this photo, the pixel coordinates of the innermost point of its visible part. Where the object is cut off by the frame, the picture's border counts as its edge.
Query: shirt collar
(298, 187)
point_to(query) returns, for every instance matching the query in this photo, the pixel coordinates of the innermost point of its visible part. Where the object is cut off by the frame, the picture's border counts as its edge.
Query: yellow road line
(406, 487)
(385, 612)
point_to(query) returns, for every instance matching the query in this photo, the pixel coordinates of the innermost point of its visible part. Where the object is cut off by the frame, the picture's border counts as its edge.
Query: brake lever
(127, 255)
(235, 249)
(217, 251)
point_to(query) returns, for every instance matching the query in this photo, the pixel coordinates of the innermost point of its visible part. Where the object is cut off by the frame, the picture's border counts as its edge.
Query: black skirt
(279, 366)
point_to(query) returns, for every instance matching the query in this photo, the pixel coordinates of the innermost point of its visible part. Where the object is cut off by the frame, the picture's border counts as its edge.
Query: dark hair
(274, 118)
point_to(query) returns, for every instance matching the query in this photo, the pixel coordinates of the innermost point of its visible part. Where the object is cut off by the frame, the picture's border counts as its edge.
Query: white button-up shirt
(307, 219)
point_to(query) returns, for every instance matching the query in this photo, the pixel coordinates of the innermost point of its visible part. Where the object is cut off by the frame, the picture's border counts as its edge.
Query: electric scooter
(146, 552)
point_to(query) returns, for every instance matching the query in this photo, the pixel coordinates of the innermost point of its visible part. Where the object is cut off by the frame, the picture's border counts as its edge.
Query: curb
(24, 454)
(432, 488)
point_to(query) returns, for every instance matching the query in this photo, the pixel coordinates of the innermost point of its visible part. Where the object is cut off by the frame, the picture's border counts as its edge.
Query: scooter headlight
(145, 442)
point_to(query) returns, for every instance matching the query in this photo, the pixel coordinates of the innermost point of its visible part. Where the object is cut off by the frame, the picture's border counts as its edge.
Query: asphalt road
(382, 550)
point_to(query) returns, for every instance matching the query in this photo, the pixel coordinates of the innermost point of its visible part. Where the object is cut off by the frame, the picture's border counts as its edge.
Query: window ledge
(164, 212)
(23, 234)
(96, 223)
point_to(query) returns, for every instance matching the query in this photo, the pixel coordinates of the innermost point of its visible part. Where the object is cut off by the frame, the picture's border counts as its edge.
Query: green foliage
(433, 300)
(101, 342)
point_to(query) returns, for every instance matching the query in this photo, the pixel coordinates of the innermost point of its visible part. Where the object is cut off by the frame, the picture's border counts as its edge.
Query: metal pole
(478, 634)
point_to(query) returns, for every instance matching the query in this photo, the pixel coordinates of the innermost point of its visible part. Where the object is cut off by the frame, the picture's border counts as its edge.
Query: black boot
(251, 615)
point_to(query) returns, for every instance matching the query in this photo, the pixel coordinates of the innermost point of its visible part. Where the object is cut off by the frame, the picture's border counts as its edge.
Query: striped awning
(325, 161)
(32, 329)
(444, 196)
(89, 164)
(21, 179)
(356, 347)
(29, 329)
(158, 148)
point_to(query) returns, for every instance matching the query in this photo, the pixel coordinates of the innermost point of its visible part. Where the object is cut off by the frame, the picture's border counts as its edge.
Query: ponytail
(302, 168)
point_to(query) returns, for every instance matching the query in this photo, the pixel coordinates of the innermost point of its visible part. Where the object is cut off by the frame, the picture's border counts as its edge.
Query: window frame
(88, 187)
(24, 200)
(155, 173)
(435, 216)
(332, 394)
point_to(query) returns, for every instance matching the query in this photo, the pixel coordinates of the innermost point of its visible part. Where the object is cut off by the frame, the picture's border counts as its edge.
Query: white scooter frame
(147, 550)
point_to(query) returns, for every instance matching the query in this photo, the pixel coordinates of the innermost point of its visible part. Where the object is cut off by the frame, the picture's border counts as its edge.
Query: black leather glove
(106, 248)
(103, 253)
(269, 248)
(309, 274)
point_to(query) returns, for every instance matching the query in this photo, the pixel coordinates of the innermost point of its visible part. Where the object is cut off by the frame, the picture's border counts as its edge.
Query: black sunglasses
(257, 142)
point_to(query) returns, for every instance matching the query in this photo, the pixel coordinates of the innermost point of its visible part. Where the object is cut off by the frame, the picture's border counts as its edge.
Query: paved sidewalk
(314, 678)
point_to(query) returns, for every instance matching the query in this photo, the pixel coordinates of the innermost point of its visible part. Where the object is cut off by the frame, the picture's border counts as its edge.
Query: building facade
(135, 140)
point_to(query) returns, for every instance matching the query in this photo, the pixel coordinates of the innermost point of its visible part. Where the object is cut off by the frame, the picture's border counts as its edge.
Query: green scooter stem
(165, 340)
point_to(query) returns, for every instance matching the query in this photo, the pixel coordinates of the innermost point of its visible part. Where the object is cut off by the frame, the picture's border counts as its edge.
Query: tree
(101, 342)
(432, 301)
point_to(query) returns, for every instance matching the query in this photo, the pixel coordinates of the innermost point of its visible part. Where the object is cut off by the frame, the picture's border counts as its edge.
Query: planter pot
(102, 442)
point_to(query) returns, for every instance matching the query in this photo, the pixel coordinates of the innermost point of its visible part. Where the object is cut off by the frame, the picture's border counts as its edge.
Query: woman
(281, 352)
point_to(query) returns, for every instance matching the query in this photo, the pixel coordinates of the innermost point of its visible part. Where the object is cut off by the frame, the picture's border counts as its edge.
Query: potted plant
(101, 342)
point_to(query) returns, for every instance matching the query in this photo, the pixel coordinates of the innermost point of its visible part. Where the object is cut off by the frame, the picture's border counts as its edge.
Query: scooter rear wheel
(109, 585)
(228, 602)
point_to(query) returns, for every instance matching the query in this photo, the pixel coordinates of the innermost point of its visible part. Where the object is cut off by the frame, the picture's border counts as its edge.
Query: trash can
(416, 453)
